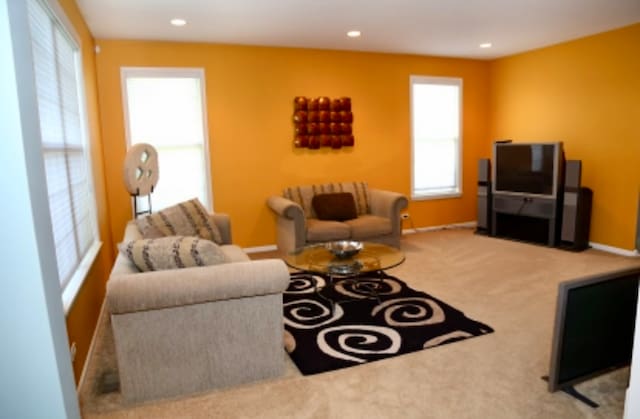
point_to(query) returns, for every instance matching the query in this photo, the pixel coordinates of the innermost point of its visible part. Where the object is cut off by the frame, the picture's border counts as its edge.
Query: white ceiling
(451, 28)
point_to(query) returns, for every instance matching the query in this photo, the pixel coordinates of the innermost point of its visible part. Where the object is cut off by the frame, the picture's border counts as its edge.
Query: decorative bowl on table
(344, 249)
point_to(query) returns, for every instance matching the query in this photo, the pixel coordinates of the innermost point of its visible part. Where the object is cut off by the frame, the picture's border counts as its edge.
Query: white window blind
(165, 108)
(64, 147)
(436, 105)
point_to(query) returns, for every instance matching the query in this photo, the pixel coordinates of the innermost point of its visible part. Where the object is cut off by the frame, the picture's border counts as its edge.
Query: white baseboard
(615, 250)
(258, 249)
(472, 224)
(467, 224)
(463, 225)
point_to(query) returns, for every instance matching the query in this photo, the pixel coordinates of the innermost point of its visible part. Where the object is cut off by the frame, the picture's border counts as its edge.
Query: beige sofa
(378, 218)
(189, 330)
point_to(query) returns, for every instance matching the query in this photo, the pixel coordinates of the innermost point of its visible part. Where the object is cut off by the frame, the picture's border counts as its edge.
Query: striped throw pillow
(172, 252)
(189, 218)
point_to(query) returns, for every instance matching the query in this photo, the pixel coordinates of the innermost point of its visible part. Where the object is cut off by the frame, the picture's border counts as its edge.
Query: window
(58, 77)
(165, 108)
(436, 115)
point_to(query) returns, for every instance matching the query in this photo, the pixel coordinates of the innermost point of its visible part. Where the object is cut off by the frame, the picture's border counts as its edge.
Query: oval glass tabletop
(372, 257)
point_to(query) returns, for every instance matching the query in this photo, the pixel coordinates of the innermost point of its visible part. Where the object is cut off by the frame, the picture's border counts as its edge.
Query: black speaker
(576, 209)
(484, 197)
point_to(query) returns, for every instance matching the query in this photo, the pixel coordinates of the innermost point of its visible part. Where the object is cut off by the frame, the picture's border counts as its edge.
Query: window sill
(72, 289)
(439, 195)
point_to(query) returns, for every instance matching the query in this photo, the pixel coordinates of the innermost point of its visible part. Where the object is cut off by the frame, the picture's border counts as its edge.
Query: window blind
(65, 155)
(165, 108)
(436, 137)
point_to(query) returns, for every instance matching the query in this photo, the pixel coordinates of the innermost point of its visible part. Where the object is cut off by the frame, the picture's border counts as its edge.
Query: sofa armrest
(291, 224)
(284, 207)
(387, 204)
(223, 222)
(142, 291)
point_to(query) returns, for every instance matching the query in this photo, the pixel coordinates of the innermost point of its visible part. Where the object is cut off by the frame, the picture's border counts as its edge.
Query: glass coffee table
(374, 258)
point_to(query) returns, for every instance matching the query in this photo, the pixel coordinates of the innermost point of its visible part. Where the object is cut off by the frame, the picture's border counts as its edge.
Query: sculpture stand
(135, 197)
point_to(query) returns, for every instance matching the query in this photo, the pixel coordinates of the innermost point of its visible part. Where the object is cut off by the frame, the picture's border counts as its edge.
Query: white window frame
(162, 72)
(455, 191)
(72, 287)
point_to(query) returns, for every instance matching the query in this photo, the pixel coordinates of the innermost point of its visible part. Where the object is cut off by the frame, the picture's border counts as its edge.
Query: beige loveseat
(189, 330)
(378, 216)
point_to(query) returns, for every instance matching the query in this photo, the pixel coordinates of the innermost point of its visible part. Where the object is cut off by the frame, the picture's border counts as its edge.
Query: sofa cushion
(321, 231)
(338, 206)
(189, 218)
(234, 253)
(303, 195)
(172, 252)
(367, 226)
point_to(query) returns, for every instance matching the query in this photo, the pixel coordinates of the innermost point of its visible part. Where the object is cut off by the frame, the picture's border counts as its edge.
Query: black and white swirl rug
(360, 329)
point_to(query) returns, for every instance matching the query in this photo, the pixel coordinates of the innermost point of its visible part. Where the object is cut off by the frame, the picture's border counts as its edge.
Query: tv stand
(526, 218)
(571, 391)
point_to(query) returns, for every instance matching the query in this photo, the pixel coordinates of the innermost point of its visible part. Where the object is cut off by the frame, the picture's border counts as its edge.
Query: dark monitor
(594, 326)
(527, 168)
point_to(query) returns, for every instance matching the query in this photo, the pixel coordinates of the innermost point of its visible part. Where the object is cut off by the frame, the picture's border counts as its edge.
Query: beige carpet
(508, 285)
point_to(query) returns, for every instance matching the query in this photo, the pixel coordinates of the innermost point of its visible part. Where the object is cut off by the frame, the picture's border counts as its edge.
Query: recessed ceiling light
(353, 34)
(178, 22)
(485, 45)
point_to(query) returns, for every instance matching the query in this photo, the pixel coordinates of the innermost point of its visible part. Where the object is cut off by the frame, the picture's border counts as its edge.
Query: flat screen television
(527, 168)
(594, 326)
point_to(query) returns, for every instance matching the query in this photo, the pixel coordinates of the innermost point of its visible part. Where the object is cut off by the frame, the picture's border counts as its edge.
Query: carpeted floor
(509, 285)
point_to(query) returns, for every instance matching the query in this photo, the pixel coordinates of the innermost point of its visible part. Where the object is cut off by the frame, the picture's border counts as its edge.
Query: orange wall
(585, 93)
(250, 93)
(83, 316)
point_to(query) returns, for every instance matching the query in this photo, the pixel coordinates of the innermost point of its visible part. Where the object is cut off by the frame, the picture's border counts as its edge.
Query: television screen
(594, 326)
(526, 168)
